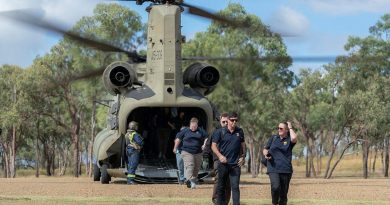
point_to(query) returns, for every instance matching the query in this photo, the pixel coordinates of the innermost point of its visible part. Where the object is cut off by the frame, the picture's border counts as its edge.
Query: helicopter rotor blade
(87, 74)
(206, 14)
(309, 59)
(231, 22)
(30, 18)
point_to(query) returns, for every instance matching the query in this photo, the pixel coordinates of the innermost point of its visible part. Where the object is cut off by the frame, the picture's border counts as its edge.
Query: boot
(130, 181)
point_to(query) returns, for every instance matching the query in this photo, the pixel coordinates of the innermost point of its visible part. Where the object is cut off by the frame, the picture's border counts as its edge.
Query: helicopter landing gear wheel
(96, 173)
(105, 177)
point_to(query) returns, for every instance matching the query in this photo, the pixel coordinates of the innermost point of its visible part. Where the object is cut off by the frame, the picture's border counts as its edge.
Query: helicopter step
(156, 171)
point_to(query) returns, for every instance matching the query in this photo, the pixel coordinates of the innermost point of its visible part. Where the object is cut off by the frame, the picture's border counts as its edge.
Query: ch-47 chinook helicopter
(146, 89)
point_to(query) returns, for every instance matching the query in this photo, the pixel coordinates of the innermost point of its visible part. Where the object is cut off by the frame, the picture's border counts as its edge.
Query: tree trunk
(307, 163)
(252, 153)
(374, 161)
(386, 156)
(256, 160)
(260, 155)
(75, 130)
(248, 169)
(312, 168)
(12, 154)
(319, 160)
(329, 161)
(53, 160)
(310, 160)
(6, 160)
(383, 159)
(75, 143)
(37, 151)
(63, 160)
(93, 130)
(48, 166)
(341, 156)
(366, 148)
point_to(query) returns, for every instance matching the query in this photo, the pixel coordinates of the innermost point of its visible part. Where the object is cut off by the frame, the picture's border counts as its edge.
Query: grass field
(69, 190)
(350, 166)
(346, 187)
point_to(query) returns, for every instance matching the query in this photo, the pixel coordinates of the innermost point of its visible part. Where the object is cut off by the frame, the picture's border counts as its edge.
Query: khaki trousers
(192, 163)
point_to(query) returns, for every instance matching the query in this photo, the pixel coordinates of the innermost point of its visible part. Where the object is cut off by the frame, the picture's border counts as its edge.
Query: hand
(174, 150)
(289, 125)
(203, 146)
(222, 159)
(241, 161)
(267, 155)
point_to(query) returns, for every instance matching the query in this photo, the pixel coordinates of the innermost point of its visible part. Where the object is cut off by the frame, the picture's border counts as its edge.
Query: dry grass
(69, 190)
(350, 166)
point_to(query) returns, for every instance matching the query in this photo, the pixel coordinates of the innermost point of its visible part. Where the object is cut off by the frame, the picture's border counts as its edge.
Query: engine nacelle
(201, 75)
(118, 75)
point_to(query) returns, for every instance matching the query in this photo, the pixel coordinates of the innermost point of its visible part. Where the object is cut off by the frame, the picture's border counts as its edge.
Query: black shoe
(188, 183)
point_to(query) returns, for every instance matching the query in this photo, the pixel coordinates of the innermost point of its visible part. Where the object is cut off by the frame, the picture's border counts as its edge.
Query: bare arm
(204, 144)
(241, 160)
(293, 135)
(221, 158)
(177, 142)
(243, 149)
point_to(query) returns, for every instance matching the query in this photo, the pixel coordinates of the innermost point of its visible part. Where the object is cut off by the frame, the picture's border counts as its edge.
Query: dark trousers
(279, 187)
(215, 188)
(231, 172)
(133, 159)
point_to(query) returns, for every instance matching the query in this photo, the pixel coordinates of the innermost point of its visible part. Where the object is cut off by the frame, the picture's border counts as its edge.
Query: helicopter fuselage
(159, 87)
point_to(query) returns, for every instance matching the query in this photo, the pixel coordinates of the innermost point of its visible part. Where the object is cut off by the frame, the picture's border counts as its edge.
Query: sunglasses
(280, 128)
(224, 122)
(233, 120)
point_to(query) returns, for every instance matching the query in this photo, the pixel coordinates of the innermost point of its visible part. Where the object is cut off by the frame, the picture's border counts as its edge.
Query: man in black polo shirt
(278, 153)
(194, 141)
(229, 146)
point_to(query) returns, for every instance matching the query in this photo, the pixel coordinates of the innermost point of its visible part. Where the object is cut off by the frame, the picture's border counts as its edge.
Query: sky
(319, 27)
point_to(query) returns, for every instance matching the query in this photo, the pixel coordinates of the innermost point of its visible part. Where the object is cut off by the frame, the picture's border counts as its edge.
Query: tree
(10, 116)
(363, 77)
(252, 88)
(112, 22)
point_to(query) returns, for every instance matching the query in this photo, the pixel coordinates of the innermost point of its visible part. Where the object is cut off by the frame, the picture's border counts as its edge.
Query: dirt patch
(68, 189)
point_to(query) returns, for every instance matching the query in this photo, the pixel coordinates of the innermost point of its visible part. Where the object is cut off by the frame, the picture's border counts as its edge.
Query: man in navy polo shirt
(229, 146)
(194, 141)
(278, 153)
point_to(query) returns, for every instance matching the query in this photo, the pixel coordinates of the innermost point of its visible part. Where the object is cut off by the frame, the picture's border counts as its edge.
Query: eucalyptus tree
(10, 116)
(363, 76)
(115, 24)
(253, 88)
(308, 106)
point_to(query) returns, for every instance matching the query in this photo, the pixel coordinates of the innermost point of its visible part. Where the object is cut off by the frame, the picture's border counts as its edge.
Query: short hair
(233, 115)
(194, 119)
(224, 114)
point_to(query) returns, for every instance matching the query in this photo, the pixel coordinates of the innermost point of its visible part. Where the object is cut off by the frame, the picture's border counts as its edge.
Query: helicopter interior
(159, 126)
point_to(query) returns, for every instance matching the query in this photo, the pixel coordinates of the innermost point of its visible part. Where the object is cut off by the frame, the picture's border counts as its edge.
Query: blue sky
(321, 27)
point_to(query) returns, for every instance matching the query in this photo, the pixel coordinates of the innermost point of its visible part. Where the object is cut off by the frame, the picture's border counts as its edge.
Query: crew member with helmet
(134, 142)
